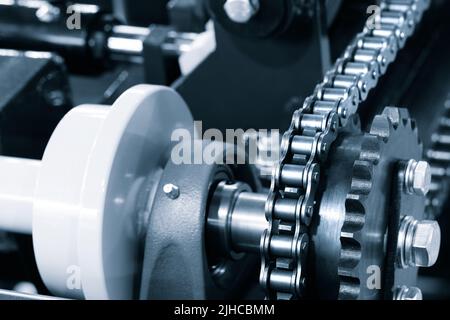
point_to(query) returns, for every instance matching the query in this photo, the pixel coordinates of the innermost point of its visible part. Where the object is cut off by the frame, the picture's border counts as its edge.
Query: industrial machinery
(110, 190)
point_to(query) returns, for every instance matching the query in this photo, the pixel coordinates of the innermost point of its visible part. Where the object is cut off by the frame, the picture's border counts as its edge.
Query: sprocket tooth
(438, 156)
(447, 103)
(371, 149)
(441, 139)
(415, 130)
(396, 115)
(349, 288)
(350, 254)
(393, 126)
(413, 124)
(382, 127)
(355, 217)
(362, 178)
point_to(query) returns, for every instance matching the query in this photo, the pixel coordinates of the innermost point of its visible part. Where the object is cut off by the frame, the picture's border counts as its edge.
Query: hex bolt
(408, 293)
(418, 243)
(418, 177)
(172, 191)
(241, 11)
(48, 13)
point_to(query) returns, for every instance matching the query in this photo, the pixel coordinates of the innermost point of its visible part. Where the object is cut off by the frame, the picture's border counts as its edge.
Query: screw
(418, 177)
(418, 243)
(408, 293)
(426, 243)
(56, 98)
(171, 191)
(48, 13)
(241, 11)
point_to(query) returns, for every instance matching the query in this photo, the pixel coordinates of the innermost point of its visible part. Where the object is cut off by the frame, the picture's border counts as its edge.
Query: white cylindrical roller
(18, 182)
(80, 201)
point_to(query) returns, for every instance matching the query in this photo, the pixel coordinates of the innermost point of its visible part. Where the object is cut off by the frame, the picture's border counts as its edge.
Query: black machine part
(34, 96)
(357, 227)
(351, 229)
(273, 18)
(272, 76)
(84, 46)
(98, 44)
(176, 263)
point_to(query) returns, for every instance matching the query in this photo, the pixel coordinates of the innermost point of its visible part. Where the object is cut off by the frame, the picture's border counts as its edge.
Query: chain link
(292, 199)
(438, 156)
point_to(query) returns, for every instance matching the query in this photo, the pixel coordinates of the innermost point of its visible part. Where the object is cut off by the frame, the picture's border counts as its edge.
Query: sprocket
(349, 233)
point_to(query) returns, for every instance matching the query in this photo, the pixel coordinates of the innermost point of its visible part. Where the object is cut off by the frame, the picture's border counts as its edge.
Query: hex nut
(172, 191)
(418, 177)
(405, 293)
(241, 11)
(426, 243)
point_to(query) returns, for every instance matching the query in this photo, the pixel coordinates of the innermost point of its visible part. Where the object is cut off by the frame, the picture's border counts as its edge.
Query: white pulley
(79, 201)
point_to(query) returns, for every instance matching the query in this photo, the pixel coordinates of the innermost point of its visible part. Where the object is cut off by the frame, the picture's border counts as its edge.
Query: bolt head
(241, 11)
(412, 293)
(418, 177)
(172, 191)
(48, 13)
(396, 114)
(426, 243)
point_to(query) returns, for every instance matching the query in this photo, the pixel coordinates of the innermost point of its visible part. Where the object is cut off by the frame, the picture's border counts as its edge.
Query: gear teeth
(382, 127)
(370, 150)
(355, 217)
(438, 155)
(445, 122)
(349, 288)
(415, 130)
(352, 231)
(362, 178)
(438, 171)
(441, 139)
(350, 255)
(414, 125)
(435, 186)
(447, 103)
(411, 124)
(397, 116)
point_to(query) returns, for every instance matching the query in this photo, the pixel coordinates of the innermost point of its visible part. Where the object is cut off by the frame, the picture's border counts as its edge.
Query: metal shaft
(41, 26)
(127, 43)
(236, 219)
(98, 38)
(248, 222)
